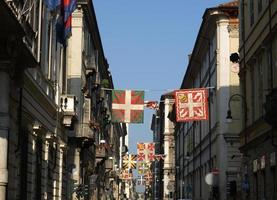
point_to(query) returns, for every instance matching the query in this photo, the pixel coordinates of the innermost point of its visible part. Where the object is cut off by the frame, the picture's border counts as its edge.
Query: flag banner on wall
(146, 152)
(127, 106)
(129, 161)
(191, 105)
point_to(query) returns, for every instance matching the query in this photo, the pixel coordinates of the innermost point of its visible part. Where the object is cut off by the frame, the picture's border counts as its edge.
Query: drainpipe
(4, 129)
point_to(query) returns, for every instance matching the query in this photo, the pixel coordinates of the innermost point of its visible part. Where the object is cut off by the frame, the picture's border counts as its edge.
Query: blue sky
(147, 43)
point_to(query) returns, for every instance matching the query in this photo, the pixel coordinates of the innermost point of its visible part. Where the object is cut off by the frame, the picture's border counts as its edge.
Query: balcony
(12, 45)
(83, 132)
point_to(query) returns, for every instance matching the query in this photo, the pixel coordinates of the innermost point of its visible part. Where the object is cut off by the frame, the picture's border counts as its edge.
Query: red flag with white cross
(191, 105)
(127, 106)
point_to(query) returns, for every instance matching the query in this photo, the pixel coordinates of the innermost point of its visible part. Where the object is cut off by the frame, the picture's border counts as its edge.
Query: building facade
(212, 146)
(258, 72)
(163, 169)
(32, 138)
(56, 138)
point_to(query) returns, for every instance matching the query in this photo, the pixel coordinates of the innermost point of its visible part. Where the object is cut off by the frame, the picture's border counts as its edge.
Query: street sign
(212, 179)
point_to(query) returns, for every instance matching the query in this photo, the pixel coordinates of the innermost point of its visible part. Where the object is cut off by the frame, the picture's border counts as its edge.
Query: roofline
(98, 42)
(206, 17)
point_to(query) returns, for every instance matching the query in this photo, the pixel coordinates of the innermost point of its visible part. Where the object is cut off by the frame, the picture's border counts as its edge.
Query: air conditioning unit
(90, 61)
(68, 107)
(91, 65)
(87, 111)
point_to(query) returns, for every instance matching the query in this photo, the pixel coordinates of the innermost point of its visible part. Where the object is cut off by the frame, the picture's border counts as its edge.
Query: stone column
(33, 161)
(62, 149)
(4, 129)
(45, 168)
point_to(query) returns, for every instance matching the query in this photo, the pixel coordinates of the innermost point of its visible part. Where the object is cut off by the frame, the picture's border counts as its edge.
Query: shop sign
(272, 159)
(263, 162)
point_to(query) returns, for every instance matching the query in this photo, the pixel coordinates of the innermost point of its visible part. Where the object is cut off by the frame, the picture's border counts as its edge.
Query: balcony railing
(83, 131)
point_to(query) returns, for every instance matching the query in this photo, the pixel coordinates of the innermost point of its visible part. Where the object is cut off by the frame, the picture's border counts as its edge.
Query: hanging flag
(127, 106)
(151, 156)
(129, 161)
(69, 7)
(64, 21)
(151, 104)
(140, 146)
(126, 175)
(159, 157)
(143, 167)
(191, 105)
(67, 27)
(151, 147)
(140, 157)
(146, 151)
(148, 177)
(52, 4)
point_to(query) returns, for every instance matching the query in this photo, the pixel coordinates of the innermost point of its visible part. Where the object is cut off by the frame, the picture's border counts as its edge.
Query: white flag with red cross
(127, 106)
(191, 104)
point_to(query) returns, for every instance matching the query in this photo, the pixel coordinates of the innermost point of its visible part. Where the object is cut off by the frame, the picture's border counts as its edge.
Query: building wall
(37, 156)
(169, 159)
(258, 46)
(36, 138)
(206, 146)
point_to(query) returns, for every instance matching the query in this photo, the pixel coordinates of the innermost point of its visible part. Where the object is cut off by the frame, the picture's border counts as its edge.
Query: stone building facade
(163, 169)
(211, 146)
(55, 130)
(258, 75)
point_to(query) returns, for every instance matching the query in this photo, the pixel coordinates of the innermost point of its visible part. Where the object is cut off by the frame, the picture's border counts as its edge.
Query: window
(242, 15)
(251, 12)
(260, 87)
(256, 186)
(260, 6)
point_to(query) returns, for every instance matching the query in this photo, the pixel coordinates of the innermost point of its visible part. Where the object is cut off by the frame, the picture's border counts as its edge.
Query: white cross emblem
(127, 107)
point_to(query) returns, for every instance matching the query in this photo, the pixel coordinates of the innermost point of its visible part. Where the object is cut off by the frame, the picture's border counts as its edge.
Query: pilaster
(4, 127)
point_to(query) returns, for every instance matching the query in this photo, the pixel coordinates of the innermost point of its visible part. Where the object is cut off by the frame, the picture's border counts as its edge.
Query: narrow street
(138, 100)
